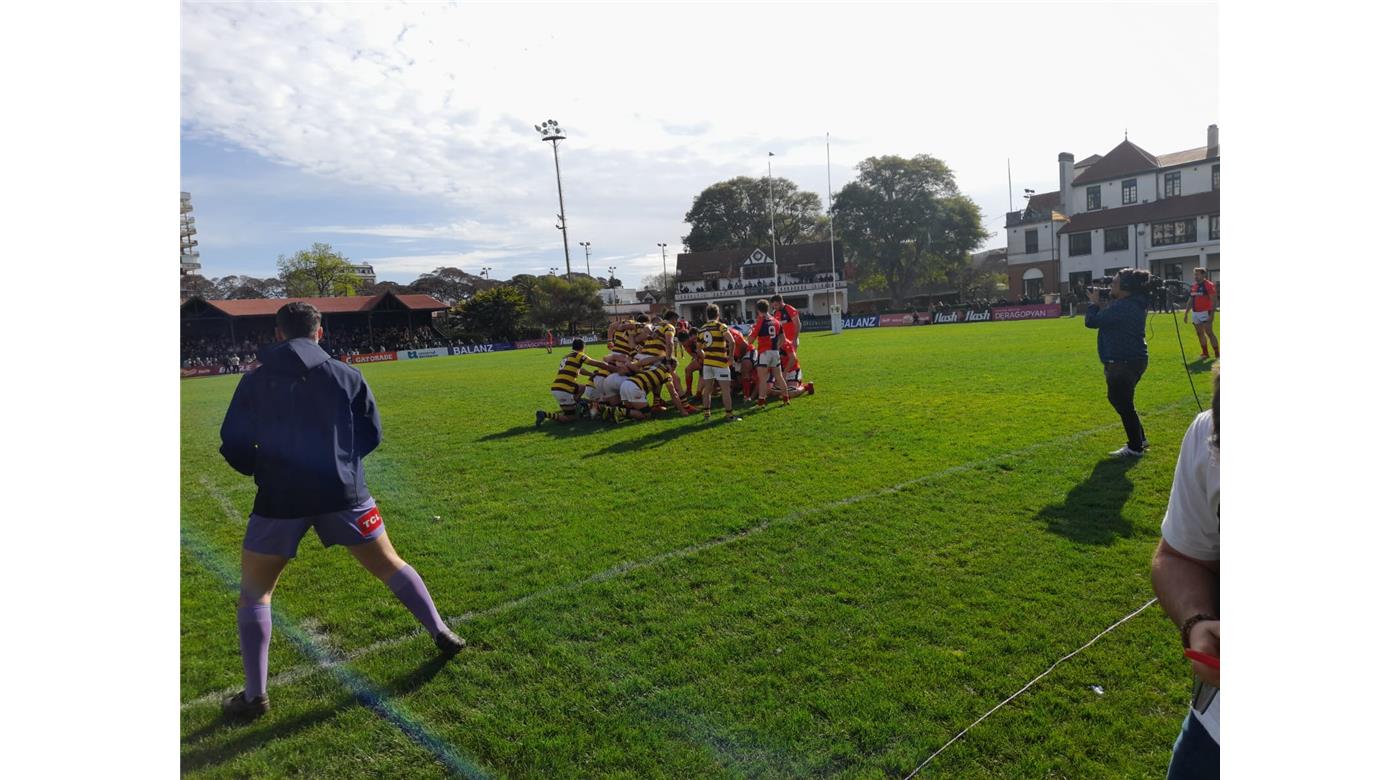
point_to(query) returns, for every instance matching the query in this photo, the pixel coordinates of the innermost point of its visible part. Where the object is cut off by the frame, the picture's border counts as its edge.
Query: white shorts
(720, 373)
(1200, 317)
(794, 377)
(591, 393)
(632, 393)
(613, 384)
(565, 399)
(770, 359)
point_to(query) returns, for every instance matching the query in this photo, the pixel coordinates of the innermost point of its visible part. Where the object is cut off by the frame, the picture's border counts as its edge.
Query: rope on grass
(1027, 686)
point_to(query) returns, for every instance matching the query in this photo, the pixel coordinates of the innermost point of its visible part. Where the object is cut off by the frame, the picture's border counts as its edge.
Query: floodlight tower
(551, 131)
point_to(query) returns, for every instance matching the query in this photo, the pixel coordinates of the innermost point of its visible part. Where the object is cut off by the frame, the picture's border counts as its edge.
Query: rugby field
(832, 589)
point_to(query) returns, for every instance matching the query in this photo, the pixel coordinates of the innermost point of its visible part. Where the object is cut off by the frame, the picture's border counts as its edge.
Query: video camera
(1100, 287)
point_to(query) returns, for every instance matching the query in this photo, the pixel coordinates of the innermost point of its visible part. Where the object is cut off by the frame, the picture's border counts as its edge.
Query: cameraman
(1120, 315)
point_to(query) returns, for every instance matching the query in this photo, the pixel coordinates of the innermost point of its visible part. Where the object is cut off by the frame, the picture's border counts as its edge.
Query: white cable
(1027, 686)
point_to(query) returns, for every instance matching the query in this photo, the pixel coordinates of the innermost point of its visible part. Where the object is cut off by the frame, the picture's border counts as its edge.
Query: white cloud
(439, 100)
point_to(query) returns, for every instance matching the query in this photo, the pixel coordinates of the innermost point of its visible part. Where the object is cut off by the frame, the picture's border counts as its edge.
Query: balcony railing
(799, 287)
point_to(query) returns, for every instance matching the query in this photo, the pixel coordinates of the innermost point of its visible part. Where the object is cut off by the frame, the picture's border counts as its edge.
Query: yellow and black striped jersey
(620, 340)
(711, 336)
(652, 342)
(567, 378)
(599, 374)
(651, 379)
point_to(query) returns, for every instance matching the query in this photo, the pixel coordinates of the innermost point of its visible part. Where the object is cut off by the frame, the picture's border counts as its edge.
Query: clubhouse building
(735, 279)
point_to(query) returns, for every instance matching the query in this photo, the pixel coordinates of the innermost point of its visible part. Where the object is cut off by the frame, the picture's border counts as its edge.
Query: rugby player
(566, 386)
(644, 379)
(765, 336)
(690, 345)
(716, 344)
(1202, 313)
(300, 425)
(788, 317)
(792, 370)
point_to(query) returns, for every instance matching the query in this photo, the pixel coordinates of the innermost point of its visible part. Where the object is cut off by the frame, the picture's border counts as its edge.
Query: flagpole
(831, 223)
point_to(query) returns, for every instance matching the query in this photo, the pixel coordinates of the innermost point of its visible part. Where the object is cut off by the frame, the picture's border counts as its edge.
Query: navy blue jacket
(1122, 327)
(299, 424)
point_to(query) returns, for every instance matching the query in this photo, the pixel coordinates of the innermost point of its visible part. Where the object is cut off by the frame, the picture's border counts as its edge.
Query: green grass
(931, 531)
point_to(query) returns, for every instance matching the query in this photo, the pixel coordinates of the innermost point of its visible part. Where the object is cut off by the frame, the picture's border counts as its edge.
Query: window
(1172, 271)
(1181, 231)
(1215, 228)
(1172, 182)
(1079, 244)
(1093, 195)
(1115, 239)
(1129, 191)
(1032, 287)
(1032, 241)
(1215, 176)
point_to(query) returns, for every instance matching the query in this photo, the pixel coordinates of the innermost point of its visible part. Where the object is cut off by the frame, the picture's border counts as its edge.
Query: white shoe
(1126, 452)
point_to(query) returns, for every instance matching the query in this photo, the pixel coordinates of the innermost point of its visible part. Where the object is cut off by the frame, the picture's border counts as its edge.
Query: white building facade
(189, 247)
(364, 272)
(1126, 209)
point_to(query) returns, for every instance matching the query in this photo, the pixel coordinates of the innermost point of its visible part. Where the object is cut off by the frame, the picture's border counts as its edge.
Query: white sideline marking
(298, 672)
(1027, 686)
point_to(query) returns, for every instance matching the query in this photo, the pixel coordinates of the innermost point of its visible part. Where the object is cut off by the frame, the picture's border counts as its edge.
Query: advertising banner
(896, 320)
(374, 357)
(1038, 311)
(473, 349)
(861, 321)
(589, 338)
(414, 354)
(188, 373)
(947, 317)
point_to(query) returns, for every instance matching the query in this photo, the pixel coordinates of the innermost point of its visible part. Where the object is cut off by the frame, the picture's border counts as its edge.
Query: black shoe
(238, 706)
(539, 417)
(449, 643)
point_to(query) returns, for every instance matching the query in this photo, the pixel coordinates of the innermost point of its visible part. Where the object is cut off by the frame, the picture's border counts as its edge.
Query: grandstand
(211, 331)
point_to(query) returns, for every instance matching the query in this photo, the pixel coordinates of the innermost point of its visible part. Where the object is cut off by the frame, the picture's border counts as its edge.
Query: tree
(386, 286)
(194, 284)
(905, 223)
(734, 214)
(661, 289)
(566, 302)
(317, 272)
(526, 285)
(492, 315)
(449, 285)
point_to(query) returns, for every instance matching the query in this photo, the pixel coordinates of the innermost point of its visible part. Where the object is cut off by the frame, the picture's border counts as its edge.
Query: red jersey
(767, 331)
(741, 347)
(790, 319)
(1202, 294)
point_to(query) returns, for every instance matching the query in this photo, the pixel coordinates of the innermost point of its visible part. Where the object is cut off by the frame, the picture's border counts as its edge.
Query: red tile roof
(1156, 211)
(267, 307)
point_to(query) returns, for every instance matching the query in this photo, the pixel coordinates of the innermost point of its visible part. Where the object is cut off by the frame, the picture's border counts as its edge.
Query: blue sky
(402, 135)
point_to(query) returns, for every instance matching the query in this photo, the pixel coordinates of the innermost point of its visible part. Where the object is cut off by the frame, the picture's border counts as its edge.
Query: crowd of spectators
(756, 286)
(227, 352)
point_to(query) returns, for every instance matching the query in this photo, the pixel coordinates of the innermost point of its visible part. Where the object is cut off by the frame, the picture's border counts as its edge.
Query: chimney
(1212, 141)
(1066, 177)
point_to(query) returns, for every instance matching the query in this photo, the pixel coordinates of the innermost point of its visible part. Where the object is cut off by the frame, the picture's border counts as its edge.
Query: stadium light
(612, 269)
(663, 271)
(486, 272)
(553, 270)
(551, 131)
(586, 254)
